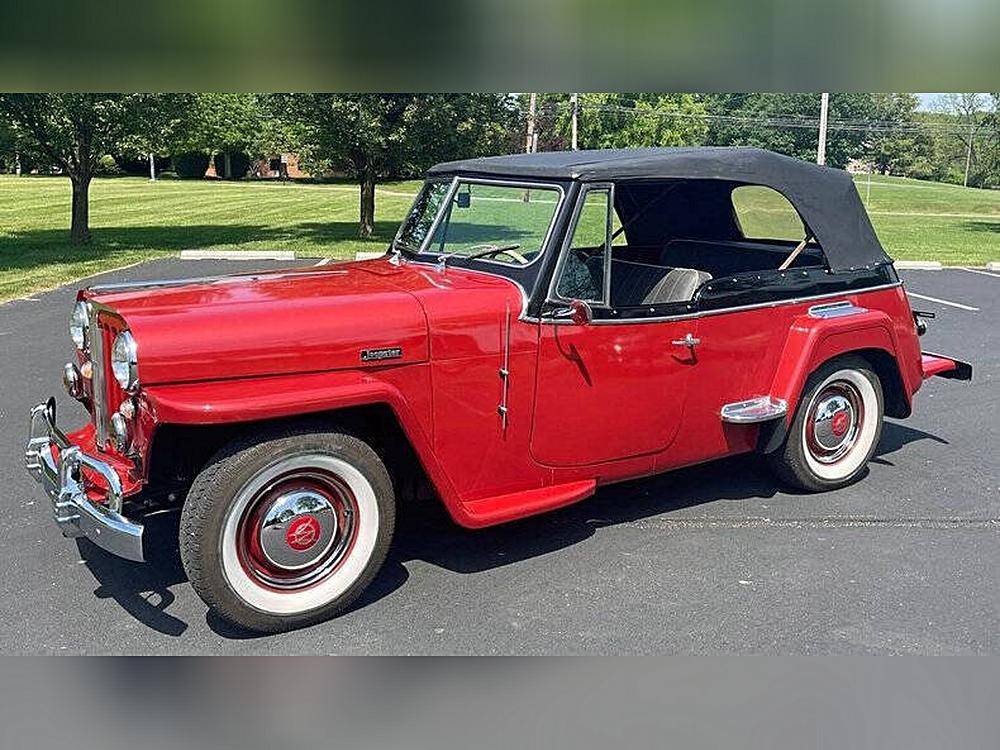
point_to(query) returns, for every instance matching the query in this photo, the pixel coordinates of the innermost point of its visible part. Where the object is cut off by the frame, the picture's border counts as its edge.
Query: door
(605, 389)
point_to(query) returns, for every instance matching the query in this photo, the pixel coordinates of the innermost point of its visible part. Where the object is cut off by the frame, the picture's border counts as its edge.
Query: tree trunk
(367, 226)
(80, 228)
(229, 165)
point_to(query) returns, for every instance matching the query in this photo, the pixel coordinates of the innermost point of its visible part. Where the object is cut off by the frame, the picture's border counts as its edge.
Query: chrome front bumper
(75, 513)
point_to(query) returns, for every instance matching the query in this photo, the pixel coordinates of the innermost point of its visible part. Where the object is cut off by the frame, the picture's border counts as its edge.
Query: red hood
(301, 320)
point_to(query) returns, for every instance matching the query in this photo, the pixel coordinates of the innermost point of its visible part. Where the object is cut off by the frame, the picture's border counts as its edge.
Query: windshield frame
(458, 180)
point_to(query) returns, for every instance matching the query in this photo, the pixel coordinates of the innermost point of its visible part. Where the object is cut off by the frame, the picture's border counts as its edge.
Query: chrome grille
(99, 361)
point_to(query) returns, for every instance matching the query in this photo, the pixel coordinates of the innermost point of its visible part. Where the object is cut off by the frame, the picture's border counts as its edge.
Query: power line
(790, 121)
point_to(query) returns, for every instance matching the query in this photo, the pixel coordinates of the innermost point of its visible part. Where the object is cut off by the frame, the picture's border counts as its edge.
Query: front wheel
(836, 428)
(288, 529)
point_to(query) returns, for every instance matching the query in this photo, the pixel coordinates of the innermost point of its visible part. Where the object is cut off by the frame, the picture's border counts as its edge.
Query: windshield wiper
(489, 251)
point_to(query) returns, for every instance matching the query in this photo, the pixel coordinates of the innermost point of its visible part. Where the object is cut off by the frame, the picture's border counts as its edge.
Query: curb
(237, 255)
(993, 265)
(919, 265)
(368, 254)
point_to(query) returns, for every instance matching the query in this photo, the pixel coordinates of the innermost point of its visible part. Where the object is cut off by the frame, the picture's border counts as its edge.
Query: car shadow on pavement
(425, 532)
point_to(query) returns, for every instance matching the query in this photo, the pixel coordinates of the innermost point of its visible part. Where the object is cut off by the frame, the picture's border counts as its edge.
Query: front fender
(258, 399)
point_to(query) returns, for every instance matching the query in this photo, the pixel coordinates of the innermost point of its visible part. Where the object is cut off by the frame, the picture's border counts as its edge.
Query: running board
(761, 409)
(501, 508)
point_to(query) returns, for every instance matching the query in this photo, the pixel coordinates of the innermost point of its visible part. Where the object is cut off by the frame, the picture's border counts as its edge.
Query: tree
(895, 143)
(788, 123)
(222, 123)
(378, 136)
(73, 131)
(617, 120)
(968, 108)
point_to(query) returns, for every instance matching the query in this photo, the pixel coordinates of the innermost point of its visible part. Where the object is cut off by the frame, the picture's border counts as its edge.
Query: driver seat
(634, 284)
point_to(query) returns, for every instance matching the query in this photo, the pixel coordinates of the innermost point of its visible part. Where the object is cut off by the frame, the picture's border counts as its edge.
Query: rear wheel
(287, 530)
(836, 428)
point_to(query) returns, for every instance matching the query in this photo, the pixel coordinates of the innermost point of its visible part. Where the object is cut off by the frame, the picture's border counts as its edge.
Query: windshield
(496, 223)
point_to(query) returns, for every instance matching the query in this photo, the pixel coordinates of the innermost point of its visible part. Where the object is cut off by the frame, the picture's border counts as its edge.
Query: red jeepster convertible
(542, 325)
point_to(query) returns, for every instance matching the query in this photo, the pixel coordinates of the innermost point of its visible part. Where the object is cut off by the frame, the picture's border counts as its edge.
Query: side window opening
(765, 214)
(584, 265)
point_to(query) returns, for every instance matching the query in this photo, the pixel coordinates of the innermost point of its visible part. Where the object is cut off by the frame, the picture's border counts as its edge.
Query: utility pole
(968, 149)
(152, 167)
(531, 143)
(576, 111)
(824, 106)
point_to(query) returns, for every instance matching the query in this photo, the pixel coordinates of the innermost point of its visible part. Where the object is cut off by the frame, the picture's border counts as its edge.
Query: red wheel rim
(297, 531)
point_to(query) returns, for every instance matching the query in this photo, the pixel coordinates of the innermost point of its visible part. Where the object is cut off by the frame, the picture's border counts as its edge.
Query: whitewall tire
(836, 429)
(287, 529)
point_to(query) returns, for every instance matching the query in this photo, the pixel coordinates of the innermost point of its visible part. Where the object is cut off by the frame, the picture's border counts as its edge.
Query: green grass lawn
(134, 219)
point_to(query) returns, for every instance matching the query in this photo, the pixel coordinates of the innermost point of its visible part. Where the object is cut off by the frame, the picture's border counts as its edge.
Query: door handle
(689, 341)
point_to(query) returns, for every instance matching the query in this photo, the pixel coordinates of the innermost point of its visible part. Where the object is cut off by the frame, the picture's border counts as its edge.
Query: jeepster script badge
(376, 355)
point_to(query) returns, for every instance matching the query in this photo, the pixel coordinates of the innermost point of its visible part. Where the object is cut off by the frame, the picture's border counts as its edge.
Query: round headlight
(124, 362)
(78, 325)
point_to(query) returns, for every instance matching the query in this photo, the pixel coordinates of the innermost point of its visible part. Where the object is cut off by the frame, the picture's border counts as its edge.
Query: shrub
(190, 164)
(107, 165)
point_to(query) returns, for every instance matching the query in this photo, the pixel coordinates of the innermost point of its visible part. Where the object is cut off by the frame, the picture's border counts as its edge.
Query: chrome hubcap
(834, 422)
(297, 530)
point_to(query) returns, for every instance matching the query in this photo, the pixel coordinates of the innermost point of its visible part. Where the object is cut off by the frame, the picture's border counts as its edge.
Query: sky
(927, 101)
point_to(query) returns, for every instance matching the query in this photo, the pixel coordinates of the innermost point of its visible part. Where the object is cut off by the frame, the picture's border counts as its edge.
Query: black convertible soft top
(825, 198)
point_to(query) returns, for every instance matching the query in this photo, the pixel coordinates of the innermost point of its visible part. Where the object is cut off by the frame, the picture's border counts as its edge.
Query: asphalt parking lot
(713, 559)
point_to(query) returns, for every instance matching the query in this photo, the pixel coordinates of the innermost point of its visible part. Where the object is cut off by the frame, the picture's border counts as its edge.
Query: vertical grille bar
(99, 361)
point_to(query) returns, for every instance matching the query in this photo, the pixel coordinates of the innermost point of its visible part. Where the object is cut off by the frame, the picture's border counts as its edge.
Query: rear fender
(812, 341)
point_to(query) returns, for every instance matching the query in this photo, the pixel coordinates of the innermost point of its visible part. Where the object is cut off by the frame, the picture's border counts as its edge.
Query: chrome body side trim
(836, 310)
(504, 371)
(61, 478)
(125, 286)
(760, 409)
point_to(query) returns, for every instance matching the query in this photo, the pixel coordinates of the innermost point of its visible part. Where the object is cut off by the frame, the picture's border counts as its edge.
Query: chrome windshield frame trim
(721, 310)
(523, 184)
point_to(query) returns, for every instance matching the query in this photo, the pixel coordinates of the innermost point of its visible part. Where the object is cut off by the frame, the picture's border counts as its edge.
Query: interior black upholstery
(634, 284)
(731, 257)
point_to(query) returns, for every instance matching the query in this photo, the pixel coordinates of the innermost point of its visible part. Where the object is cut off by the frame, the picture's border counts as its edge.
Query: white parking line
(959, 305)
(323, 262)
(984, 273)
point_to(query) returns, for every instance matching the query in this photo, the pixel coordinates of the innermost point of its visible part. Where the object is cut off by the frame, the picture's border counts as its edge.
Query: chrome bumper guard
(74, 512)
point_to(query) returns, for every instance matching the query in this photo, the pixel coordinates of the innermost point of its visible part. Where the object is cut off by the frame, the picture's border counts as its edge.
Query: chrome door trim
(722, 310)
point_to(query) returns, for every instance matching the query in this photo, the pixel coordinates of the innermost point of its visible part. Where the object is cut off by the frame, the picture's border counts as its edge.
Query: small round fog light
(119, 431)
(72, 380)
(87, 370)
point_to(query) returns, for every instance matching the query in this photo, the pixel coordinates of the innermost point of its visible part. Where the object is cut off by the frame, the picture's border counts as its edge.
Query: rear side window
(765, 214)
